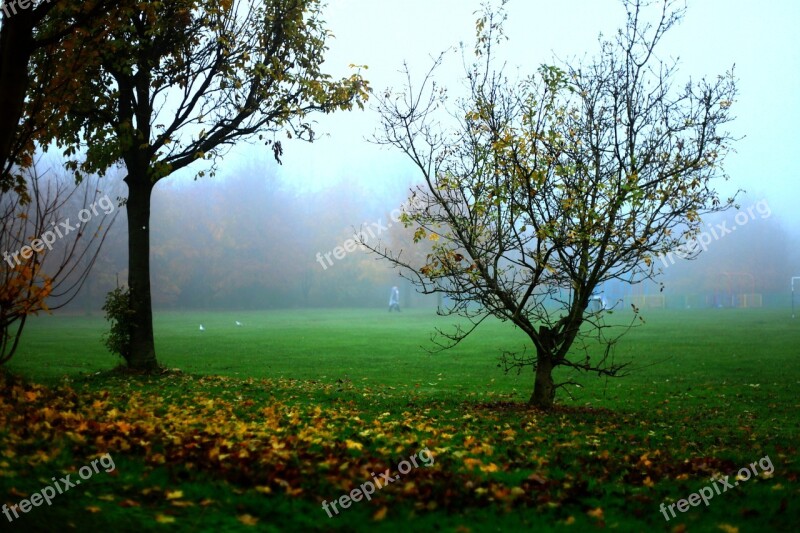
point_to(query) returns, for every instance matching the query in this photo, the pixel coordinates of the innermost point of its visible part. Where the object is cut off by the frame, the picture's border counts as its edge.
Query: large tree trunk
(16, 38)
(544, 389)
(143, 352)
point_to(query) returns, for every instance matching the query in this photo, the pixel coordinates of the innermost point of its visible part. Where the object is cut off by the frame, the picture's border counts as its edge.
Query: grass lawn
(259, 424)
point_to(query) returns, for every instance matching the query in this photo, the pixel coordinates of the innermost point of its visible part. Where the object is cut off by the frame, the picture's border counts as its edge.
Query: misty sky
(758, 37)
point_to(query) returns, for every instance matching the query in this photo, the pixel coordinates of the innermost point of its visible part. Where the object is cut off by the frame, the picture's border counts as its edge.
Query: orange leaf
(537, 478)
(596, 513)
(469, 462)
(129, 503)
(17, 494)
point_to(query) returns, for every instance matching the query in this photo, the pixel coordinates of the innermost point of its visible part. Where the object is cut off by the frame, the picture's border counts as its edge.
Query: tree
(47, 257)
(178, 82)
(32, 100)
(546, 188)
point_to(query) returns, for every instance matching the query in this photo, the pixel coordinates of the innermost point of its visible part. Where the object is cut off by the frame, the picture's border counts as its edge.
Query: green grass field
(265, 421)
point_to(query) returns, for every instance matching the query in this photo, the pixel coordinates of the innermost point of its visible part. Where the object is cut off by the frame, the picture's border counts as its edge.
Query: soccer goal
(795, 279)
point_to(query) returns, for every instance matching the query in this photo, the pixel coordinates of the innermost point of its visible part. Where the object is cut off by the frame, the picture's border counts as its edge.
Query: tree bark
(544, 389)
(16, 39)
(143, 352)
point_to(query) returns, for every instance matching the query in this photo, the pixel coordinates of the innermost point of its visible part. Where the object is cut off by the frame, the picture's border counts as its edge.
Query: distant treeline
(247, 241)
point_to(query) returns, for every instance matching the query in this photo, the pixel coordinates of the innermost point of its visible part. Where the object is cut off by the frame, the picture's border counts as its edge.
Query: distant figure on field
(597, 302)
(394, 300)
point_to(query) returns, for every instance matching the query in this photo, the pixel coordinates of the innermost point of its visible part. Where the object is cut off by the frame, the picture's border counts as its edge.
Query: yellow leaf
(248, 520)
(491, 467)
(174, 495)
(380, 514)
(182, 503)
(727, 528)
(353, 445)
(164, 519)
(93, 509)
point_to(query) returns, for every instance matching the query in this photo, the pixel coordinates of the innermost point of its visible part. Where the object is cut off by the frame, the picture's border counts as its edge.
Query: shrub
(118, 312)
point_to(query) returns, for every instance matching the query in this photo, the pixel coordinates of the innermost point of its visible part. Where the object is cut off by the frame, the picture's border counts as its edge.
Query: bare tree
(46, 257)
(548, 187)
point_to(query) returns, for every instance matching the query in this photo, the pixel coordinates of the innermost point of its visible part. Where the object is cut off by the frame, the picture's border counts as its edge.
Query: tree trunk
(143, 352)
(16, 38)
(544, 389)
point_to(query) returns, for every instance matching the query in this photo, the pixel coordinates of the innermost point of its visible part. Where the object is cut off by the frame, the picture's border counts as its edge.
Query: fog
(252, 236)
(248, 240)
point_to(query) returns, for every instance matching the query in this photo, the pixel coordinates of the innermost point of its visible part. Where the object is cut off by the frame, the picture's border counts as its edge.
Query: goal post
(795, 279)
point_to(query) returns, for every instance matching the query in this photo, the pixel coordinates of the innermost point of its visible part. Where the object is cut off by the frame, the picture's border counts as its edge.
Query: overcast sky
(758, 37)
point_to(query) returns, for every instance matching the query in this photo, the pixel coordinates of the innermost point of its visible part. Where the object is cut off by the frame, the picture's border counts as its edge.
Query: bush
(118, 312)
